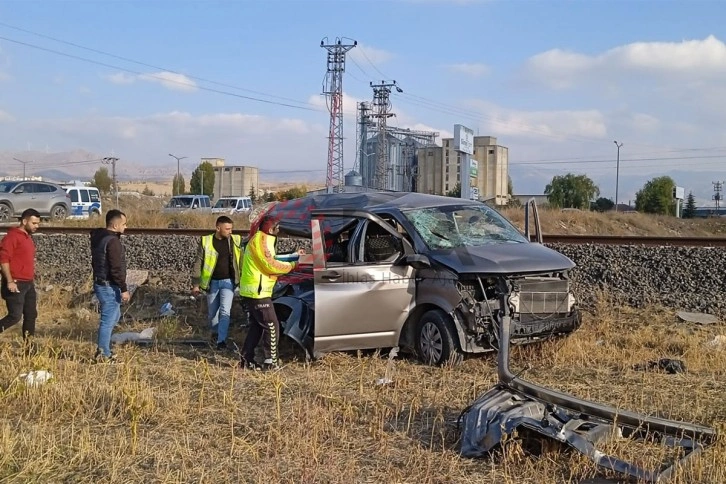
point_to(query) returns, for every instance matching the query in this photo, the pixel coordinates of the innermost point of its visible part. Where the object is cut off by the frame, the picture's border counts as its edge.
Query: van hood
(520, 258)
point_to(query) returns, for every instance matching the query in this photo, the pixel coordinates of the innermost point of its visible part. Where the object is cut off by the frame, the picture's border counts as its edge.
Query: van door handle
(331, 276)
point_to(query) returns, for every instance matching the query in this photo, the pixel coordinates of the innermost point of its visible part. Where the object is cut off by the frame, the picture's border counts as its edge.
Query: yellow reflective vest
(260, 269)
(207, 259)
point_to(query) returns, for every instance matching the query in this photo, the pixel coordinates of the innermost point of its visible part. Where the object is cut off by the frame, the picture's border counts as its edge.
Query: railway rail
(547, 238)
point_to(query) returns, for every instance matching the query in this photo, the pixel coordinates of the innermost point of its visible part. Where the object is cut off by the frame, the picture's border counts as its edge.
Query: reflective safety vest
(260, 269)
(211, 255)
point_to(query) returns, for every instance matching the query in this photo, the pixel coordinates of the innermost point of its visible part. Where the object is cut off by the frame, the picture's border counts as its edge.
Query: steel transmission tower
(382, 111)
(333, 89)
(717, 187)
(363, 124)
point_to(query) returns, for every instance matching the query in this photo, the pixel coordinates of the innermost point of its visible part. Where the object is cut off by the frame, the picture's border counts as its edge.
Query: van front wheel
(436, 340)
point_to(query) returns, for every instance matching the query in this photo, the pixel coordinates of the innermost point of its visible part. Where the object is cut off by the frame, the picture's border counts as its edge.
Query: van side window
(94, 196)
(84, 196)
(74, 196)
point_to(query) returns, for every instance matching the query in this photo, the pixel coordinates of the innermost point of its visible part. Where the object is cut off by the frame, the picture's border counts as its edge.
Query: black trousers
(21, 305)
(263, 322)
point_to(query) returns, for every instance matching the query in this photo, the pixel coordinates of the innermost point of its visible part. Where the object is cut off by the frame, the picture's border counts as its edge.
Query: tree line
(579, 191)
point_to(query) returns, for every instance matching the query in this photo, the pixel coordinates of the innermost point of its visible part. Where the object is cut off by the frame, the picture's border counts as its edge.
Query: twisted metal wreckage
(518, 404)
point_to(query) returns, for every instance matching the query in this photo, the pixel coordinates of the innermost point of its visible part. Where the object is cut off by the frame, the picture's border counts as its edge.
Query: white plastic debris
(166, 309)
(35, 378)
(718, 341)
(387, 378)
(146, 334)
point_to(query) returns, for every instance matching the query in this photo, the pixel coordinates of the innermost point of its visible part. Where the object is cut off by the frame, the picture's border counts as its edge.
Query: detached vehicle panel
(428, 273)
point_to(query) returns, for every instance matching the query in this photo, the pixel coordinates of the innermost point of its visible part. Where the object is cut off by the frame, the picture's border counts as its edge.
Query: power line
(131, 71)
(677, 158)
(152, 66)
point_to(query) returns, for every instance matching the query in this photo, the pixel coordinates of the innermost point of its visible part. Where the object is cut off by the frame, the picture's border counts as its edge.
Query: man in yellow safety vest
(260, 270)
(216, 271)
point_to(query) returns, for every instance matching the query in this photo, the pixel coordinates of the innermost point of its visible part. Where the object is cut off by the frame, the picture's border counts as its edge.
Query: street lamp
(24, 163)
(178, 175)
(617, 174)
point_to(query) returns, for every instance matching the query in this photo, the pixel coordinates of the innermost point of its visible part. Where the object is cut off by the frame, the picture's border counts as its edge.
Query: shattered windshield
(180, 202)
(462, 226)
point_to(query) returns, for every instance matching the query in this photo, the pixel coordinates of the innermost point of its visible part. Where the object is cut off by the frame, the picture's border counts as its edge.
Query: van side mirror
(417, 261)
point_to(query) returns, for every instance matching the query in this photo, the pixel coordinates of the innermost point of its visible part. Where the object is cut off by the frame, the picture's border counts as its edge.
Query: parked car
(185, 203)
(49, 199)
(85, 202)
(232, 205)
(430, 274)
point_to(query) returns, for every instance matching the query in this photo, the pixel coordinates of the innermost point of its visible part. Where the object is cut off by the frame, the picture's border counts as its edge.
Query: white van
(232, 205)
(85, 202)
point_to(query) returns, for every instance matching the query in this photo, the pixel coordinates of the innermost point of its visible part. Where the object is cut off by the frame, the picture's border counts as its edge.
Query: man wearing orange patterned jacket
(260, 270)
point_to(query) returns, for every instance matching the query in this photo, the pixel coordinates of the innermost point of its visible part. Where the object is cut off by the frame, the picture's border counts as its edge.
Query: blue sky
(551, 80)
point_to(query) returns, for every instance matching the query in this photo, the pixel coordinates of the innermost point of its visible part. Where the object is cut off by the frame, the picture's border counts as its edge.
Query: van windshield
(455, 226)
(226, 203)
(180, 202)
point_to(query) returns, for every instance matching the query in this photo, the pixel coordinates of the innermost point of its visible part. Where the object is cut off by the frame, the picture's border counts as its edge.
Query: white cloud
(269, 143)
(365, 55)
(470, 69)
(120, 78)
(559, 125)
(690, 59)
(350, 104)
(170, 80)
(6, 117)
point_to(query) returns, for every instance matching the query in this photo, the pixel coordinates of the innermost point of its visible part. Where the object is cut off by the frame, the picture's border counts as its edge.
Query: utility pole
(111, 160)
(178, 175)
(24, 163)
(381, 111)
(617, 174)
(333, 89)
(717, 187)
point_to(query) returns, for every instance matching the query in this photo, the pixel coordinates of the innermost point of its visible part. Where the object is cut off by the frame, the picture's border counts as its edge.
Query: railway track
(548, 238)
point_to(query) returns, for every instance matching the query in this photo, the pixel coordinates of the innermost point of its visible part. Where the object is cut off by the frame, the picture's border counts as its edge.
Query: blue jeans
(109, 298)
(219, 304)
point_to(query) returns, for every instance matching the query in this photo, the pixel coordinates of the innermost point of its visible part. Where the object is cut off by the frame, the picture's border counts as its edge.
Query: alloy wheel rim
(432, 345)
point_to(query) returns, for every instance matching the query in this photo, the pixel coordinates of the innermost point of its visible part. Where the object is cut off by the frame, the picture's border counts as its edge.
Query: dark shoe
(101, 358)
(249, 365)
(222, 345)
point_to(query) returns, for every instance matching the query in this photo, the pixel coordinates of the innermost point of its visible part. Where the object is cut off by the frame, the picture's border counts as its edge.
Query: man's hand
(195, 290)
(13, 287)
(301, 251)
(125, 296)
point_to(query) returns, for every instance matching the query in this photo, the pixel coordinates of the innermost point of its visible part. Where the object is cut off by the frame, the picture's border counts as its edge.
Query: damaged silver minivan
(425, 273)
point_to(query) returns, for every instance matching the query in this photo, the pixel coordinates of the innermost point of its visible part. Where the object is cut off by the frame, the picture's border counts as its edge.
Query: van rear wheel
(436, 339)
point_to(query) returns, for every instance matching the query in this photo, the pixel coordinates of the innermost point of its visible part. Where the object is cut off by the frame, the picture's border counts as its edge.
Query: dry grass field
(173, 413)
(182, 414)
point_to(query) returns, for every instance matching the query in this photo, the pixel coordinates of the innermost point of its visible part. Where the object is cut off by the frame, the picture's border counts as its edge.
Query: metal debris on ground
(698, 318)
(582, 425)
(668, 365)
(145, 335)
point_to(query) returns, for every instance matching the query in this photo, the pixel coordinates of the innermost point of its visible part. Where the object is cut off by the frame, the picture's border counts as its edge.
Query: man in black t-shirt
(216, 271)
